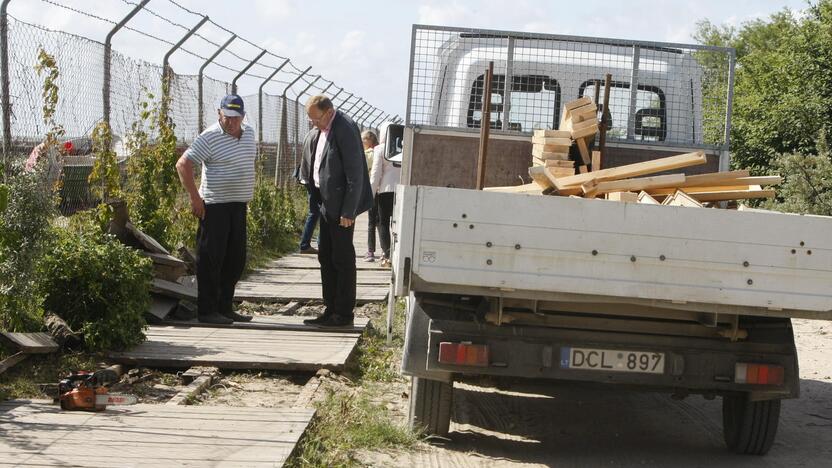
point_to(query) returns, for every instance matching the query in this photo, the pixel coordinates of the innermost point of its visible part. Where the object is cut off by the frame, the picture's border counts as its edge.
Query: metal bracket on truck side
(415, 353)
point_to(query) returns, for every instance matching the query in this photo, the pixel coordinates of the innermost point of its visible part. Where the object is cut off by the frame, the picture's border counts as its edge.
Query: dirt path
(549, 425)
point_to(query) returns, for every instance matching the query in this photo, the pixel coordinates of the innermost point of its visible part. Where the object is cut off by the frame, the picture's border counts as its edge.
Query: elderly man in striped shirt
(227, 151)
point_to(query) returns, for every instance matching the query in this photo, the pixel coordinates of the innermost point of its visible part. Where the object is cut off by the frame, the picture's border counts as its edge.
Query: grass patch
(22, 381)
(347, 422)
(349, 419)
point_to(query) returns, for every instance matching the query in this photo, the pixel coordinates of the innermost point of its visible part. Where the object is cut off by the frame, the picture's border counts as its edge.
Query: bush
(98, 286)
(807, 184)
(24, 235)
(272, 217)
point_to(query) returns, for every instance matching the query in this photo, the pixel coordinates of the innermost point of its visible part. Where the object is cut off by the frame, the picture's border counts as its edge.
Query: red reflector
(758, 374)
(463, 354)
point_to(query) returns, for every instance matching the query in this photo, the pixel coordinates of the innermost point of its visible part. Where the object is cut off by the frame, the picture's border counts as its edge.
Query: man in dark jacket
(334, 166)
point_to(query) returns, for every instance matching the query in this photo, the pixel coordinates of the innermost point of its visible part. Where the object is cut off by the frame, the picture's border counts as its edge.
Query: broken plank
(541, 177)
(171, 289)
(31, 343)
(161, 306)
(150, 244)
(641, 184)
(637, 169)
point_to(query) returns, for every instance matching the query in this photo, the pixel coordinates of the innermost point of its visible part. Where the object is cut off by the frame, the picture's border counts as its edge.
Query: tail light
(758, 374)
(463, 354)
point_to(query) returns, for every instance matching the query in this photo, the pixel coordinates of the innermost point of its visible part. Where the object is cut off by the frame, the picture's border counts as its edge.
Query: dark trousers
(336, 254)
(314, 198)
(384, 202)
(220, 256)
(372, 222)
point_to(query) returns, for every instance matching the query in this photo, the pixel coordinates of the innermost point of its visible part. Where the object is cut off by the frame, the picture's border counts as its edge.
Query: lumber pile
(553, 172)
(170, 295)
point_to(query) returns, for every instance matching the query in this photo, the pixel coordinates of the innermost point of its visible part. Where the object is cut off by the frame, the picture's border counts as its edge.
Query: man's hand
(346, 222)
(198, 207)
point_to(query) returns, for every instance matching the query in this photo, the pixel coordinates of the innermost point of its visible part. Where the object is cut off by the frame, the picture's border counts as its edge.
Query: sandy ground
(548, 425)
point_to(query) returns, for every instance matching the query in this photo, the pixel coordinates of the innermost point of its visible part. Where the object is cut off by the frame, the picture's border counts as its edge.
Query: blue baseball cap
(232, 106)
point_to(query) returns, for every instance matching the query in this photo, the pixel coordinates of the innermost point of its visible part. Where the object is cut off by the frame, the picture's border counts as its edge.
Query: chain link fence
(664, 94)
(82, 86)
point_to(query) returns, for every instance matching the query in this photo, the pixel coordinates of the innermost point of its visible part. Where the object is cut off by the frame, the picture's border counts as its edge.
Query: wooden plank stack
(580, 119)
(554, 173)
(626, 184)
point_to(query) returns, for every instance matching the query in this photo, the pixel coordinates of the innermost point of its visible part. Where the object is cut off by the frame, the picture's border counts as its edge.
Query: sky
(364, 46)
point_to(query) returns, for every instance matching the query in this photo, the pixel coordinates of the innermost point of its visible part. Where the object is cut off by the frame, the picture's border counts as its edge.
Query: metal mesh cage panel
(665, 94)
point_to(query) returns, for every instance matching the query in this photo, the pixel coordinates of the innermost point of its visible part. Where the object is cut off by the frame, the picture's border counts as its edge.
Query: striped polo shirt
(227, 164)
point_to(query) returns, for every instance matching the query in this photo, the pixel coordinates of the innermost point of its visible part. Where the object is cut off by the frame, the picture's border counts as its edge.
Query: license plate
(612, 360)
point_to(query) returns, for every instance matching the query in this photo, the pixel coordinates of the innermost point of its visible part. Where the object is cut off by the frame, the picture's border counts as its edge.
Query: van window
(651, 115)
(535, 102)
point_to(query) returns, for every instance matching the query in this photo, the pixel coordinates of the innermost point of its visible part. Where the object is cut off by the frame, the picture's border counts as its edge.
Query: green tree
(783, 83)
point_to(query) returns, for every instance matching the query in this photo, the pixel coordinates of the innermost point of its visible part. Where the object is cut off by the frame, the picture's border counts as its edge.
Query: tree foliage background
(782, 114)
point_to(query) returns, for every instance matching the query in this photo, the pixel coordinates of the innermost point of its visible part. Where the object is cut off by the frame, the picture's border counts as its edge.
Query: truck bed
(571, 250)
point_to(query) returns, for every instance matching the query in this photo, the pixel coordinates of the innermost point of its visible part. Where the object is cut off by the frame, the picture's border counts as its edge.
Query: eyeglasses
(319, 118)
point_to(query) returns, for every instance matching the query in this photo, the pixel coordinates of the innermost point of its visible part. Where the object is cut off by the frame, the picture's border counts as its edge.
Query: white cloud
(452, 14)
(274, 10)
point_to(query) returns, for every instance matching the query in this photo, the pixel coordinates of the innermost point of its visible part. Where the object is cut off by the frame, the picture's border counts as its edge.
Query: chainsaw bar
(115, 399)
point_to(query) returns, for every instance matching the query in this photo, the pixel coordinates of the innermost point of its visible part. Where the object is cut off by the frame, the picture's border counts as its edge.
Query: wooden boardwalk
(297, 277)
(242, 348)
(41, 434)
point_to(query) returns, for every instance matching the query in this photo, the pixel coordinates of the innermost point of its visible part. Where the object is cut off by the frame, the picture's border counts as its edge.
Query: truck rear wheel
(430, 406)
(749, 426)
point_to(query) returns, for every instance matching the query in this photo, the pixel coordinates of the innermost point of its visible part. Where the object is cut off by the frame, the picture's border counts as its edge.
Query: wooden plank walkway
(241, 348)
(297, 277)
(274, 322)
(41, 434)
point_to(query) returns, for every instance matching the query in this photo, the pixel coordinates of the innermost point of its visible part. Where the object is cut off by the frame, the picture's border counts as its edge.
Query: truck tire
(749, 427)
(430, 406)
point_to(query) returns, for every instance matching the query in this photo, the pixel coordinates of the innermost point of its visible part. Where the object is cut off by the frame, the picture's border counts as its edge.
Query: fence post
(370, 111)
(376, 119)
(4, 77)
(345, 100)
(167, 71)
(284, 123)
(108, 52)
(353, 105)
(336, 95)
(200, 86)
(260, 102)
(244, 70)
(323, 91)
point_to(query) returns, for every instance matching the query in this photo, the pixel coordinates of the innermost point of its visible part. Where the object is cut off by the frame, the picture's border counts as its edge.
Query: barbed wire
(291, 65)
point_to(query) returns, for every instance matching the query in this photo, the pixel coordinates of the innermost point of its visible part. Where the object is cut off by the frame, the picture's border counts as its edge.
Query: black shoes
(318, 320)
(237, 317)
(309, 251)
(215, 318)
(331, 321)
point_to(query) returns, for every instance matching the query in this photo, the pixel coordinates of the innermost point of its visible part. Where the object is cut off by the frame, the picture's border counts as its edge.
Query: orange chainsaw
(88, 391)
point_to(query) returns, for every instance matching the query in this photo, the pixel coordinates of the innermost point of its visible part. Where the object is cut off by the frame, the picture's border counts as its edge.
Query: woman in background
(384, 177)
(370, 141)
